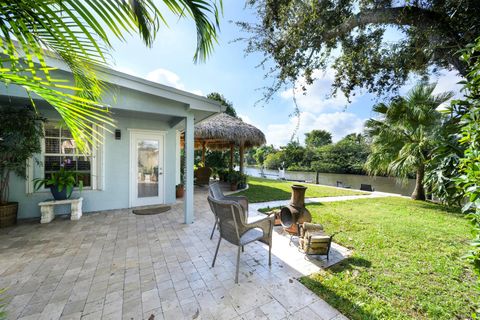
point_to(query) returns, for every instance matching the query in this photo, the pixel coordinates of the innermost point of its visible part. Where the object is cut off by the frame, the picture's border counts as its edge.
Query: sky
(237, 76)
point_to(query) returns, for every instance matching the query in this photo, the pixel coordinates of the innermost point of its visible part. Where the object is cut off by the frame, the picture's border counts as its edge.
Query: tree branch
(402, 16)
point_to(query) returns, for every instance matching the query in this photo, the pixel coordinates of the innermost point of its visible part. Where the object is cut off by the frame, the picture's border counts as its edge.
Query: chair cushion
(250, 236)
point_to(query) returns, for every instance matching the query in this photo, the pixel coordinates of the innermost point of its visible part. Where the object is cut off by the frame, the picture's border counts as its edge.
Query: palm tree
(403, 136)
(79, 32)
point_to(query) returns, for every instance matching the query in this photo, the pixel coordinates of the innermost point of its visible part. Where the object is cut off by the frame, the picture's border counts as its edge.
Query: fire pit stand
(295, 213)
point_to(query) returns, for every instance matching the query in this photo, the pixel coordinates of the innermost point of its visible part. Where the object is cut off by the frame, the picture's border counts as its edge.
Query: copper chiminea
(295, 213)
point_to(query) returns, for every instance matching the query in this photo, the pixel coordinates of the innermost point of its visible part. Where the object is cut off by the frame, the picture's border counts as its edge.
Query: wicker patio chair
(235, 229)
(202, 175)
(215, 191)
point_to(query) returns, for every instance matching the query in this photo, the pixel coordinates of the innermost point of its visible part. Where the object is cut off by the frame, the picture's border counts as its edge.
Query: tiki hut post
(231, 156)
(203, 151)
(242, 153)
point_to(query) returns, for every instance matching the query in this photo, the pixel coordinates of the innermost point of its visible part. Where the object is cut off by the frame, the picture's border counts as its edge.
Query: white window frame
(97, 165)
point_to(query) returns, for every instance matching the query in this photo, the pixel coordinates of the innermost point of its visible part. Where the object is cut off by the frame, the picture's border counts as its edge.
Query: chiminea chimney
(295, 213)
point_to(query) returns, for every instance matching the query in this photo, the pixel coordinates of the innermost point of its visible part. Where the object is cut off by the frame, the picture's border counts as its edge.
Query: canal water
(383, 184)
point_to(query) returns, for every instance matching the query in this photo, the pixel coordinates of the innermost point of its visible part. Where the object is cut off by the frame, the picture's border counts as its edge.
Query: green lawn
(261, 190)
(406, 261)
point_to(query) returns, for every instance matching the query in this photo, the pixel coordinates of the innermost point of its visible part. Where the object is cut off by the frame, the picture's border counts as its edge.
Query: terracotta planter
(179, 191)
(8, 214)
(233, 187)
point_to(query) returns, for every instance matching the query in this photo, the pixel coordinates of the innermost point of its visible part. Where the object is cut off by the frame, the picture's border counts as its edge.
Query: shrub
(20, 132)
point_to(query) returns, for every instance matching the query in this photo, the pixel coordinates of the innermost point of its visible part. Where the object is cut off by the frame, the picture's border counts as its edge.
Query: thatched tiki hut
(222, 132)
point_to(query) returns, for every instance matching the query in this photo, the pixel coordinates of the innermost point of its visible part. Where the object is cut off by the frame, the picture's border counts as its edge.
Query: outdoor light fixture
(118, 134)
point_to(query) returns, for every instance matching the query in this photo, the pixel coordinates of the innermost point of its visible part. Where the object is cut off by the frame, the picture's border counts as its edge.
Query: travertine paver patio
(117, 265)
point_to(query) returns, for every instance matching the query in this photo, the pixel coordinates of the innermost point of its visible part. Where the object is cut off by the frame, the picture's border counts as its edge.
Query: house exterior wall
(136, 104)
(114, 193)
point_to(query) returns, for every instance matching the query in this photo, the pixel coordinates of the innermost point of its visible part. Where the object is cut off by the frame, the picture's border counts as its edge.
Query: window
(60, 150)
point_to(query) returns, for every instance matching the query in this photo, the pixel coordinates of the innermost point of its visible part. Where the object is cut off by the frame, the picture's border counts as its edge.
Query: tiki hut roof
(222, 130)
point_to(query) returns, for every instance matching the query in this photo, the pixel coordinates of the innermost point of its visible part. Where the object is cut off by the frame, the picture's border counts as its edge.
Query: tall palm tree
(79, 32)
(403, 136)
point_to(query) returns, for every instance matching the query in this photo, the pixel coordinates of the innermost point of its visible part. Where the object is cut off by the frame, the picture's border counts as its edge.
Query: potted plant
(61, 183)
(242, 181)
(214, 173)
(233, 177)
(222, 175)
(179, 190)
(20, 133)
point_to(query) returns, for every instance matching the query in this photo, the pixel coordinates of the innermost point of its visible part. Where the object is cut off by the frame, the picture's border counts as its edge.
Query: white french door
(146, 168)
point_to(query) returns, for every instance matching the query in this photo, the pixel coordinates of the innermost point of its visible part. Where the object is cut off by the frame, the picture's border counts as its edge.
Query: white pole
(178, 155)
(189, 162)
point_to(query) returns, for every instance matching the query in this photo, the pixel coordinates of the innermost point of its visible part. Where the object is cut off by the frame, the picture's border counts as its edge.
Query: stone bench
(48, 213)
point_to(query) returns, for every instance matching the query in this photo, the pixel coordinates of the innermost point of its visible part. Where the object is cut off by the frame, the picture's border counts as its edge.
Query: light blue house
(138, 164)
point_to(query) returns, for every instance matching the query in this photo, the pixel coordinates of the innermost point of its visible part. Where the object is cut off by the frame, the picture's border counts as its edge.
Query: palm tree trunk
(419, 192)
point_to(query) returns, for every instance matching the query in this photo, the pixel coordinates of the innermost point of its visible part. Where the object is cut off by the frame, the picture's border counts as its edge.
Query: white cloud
(169, 78)
(248, 120)
(448, 81)
(126, 70)
(166, 77)
(198, 92)
(317, 97)
(319, 110)
(338, 123)
(163, 76)
(245, 118)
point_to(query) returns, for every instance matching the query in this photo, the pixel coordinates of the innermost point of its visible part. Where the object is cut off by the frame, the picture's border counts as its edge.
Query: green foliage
(404, 135)
(261, 190)
(20, 133)
(223, 174)
(317, 138)
(406, 260)
(442, 169)
(3, 313)
(262, 152)
(301, 37)
(295, 167)
(62, 179)
(328, 167)
(78, 33)
(220, 98)
(235, 176)
(293, 154)
(250, 156)
(469, 180)
(216, 159)
(274, 160)
(346, 156)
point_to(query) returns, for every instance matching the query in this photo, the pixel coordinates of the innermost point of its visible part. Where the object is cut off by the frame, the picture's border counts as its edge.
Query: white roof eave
(115, 77)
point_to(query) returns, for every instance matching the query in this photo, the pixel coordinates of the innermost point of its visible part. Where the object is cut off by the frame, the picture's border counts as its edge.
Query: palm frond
(199, 11)
(404, 135)
(76, 32)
